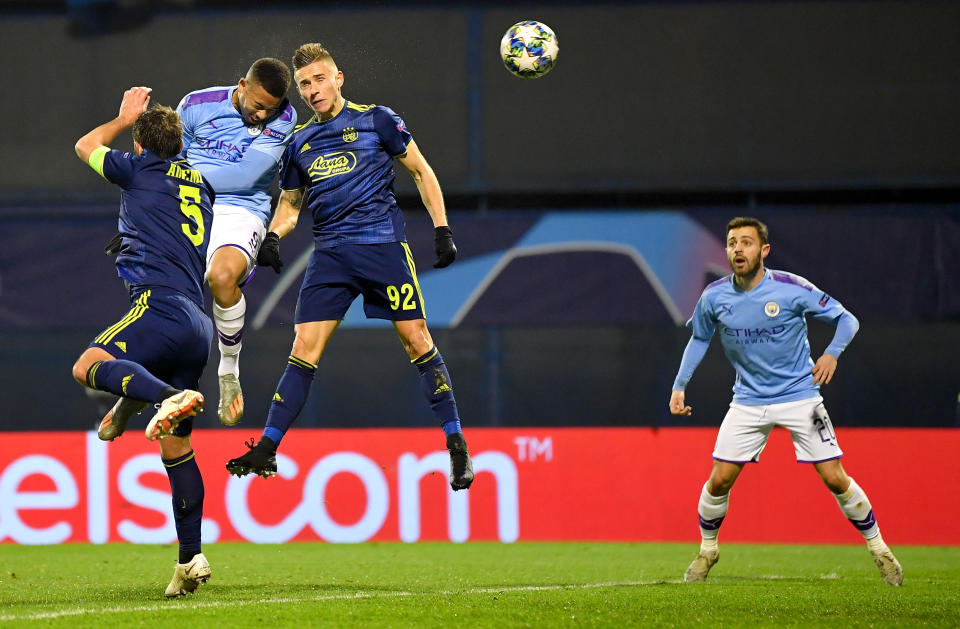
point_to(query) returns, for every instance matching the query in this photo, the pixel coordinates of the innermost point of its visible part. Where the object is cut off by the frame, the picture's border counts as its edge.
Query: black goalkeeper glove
(113, 247)
(269, 254)
(444, 247)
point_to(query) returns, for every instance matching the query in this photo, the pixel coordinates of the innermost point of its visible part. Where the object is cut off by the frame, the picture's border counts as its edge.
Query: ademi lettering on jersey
(124, 501)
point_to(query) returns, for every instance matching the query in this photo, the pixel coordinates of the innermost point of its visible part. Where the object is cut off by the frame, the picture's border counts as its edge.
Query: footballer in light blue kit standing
(157, 351)
(760, 316)
(235, 136)
(339, 166)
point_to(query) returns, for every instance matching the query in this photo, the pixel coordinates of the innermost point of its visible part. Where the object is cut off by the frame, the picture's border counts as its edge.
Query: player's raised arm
(134, 103)
(432, 197)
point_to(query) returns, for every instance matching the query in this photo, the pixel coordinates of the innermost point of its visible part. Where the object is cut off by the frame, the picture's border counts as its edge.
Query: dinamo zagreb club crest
(350, 134)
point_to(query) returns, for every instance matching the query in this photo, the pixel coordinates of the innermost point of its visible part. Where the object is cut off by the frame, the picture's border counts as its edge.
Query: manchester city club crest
(255, 130)
(350, 134)
(771, 308)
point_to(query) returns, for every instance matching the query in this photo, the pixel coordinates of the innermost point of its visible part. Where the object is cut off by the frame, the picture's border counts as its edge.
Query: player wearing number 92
(760, 315)
(157, 351)
(339, 165)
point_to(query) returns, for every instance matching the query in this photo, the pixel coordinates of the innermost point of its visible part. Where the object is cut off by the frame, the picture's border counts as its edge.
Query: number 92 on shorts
(384, 273)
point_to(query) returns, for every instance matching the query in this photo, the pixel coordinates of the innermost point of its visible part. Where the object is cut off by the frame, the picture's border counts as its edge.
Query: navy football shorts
(168, 335)
(384, 273)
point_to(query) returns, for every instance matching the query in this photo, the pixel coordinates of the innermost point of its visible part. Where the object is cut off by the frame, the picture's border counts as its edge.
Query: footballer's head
(261, 93)
(159, 131)
(747, 245)
(318, 80)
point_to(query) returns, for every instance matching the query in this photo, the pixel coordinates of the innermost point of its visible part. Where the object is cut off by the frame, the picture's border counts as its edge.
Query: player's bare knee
(415, 338)
(836, 481)
(221, 278)
(720, 484)
(80, 371)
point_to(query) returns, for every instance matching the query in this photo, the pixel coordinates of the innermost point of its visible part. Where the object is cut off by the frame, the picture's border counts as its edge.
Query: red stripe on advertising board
(613, 484)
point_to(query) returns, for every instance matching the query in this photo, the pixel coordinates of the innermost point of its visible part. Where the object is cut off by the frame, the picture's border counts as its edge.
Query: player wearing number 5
(339, 166)
(156, 353)
(760, 315)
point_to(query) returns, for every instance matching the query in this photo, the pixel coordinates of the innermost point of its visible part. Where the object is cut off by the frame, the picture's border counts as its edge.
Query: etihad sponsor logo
(753, 336)
(771, 309)
(219, 148)
(331, 165)
(350, 134)
(751, 332)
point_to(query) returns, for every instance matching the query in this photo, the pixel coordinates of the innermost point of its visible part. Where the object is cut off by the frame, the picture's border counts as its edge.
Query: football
(529, 49)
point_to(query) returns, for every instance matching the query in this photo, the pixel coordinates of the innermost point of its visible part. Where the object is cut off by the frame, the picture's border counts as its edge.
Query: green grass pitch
(477, 585)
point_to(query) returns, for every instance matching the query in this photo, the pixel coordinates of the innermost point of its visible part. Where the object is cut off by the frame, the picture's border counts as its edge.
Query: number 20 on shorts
(402, 297)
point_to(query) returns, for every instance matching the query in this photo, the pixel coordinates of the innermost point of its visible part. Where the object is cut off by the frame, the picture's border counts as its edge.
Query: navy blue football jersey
(165, 216)
(345, 166)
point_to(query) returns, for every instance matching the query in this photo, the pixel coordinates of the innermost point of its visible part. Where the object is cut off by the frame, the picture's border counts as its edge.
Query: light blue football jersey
(240, 161)
(764, 335)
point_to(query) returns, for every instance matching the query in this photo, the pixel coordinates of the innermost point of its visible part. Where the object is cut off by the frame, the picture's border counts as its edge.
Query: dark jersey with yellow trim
(345, 166)
(165, 216)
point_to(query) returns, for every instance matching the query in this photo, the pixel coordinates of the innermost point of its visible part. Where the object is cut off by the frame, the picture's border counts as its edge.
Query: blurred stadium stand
(833, 121)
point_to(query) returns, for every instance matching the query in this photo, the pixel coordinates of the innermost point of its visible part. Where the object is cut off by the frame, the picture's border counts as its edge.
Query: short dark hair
(746, 221)
(308, 53)
(159, 130)
(272, 75)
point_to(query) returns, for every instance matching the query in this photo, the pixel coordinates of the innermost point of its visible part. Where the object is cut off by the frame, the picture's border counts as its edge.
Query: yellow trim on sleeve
(96, 159)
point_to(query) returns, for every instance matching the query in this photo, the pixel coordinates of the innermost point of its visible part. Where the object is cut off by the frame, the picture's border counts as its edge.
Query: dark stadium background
(835, 122)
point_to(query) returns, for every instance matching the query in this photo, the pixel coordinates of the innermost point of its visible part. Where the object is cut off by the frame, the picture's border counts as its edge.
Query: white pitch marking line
(323, 597)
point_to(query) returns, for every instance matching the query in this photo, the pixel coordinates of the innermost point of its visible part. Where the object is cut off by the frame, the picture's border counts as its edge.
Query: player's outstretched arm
(432, 197)
(134, 103)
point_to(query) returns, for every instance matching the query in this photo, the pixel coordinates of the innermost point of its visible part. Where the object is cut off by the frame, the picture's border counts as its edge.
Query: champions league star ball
(529, 49)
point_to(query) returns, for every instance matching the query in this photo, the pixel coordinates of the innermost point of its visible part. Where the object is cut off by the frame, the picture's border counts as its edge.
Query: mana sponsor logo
(331, 165)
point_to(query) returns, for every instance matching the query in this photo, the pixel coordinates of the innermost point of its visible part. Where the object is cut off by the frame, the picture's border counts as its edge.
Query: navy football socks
(438, 389)
(291, 395)
(127, 379)
(186, 485)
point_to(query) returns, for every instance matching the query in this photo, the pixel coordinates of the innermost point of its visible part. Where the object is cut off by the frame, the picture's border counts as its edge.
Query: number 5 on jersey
(191, 210)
